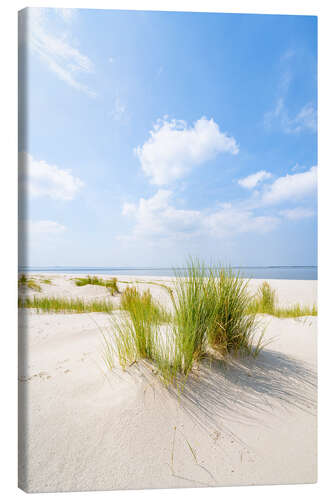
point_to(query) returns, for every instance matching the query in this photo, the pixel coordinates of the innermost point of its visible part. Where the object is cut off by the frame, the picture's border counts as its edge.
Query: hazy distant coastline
(256, 272)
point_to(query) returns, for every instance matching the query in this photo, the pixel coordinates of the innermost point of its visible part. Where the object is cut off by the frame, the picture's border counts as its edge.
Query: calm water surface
(269, 272)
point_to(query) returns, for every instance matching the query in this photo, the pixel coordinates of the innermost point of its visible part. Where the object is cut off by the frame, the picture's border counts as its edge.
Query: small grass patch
(265, 302)
(194, 314)
(136, 331)
(23, 280)
(233, 329)
(132, 301)
(64, 305)
(136, 335)
(111, 284)
(29, 283)
(46, 281)
(295, 311)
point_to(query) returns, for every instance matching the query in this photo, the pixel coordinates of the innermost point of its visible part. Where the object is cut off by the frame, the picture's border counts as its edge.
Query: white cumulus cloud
(174, 148)
(40, 178)
(252, 180)
(157, 217)
(291, 187)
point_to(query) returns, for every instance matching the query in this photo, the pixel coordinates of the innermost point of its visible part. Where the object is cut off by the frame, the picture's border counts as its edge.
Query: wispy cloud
(280, 117)
(305, 119)
(174, 148)
(297, 213)
(48, 37)
(67, 14)
(118, 110)
(41, 179)
(298, 168)
(37, 228)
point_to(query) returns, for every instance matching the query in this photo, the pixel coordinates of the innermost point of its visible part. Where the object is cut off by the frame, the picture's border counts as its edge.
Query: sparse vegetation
(213, 315)
(46, 281)
(265, 302)
(210, 311)
(22, 280)
(295, 311)
(132, 301)
(111, 284)
(232, 329)
(29, 283)
(136, 332)
(193, 300)
(64, 305)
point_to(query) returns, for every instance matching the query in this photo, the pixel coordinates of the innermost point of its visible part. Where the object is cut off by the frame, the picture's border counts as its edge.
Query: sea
(266, 272)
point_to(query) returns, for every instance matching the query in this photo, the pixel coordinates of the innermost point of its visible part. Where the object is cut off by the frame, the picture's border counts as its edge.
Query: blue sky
(151, 136)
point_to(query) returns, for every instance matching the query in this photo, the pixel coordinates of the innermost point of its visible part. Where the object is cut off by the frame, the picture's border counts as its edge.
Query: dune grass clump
(136, 332)
(29, 283)
(194, 314)
(265, 302)
(211, 313)
(295, 311)
(132, 301)
(233, 328)
(46, 281)
(111, 284)
(64, 305)
(210, 316)
(23, 280)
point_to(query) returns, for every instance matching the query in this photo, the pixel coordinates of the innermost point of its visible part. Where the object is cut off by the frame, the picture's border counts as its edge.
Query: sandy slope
(84, 428)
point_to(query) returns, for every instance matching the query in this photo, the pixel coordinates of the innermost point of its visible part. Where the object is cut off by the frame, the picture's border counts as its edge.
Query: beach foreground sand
(83, 427)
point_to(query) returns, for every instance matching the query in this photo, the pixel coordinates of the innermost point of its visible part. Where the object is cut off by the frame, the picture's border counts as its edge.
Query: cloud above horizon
(44, 180)
(280, 117)
(304, 120)
(252, 180)
(297, 213)
(43, 227)
(174, 148)
(291, 187)
(54, 48)
(157, 217)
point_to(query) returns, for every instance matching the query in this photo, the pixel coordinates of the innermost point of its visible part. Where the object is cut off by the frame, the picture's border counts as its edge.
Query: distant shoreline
(255, 272)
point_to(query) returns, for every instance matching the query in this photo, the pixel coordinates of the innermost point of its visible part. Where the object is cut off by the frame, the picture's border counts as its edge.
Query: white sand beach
(84, 427)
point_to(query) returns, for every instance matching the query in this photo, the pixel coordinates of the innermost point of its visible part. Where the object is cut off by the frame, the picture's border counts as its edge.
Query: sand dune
(250, 421)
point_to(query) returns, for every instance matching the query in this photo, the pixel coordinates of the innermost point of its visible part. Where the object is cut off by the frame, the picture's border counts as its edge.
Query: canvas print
(167, 280)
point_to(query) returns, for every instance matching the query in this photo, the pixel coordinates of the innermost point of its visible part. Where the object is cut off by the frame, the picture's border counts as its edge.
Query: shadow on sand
(244, 389)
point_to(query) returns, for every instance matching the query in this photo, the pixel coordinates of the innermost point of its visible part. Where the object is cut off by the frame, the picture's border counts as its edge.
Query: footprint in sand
(85, 355)
(42, 375)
